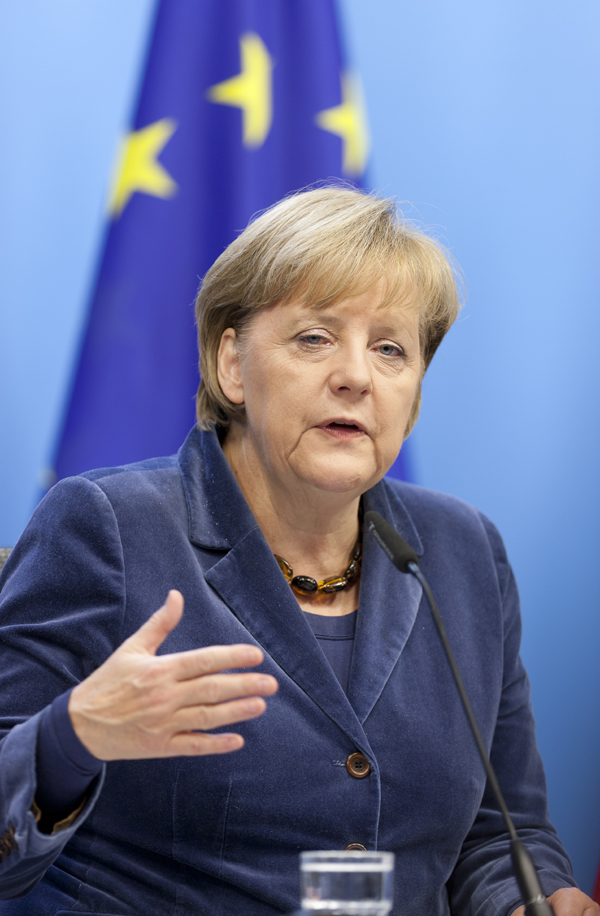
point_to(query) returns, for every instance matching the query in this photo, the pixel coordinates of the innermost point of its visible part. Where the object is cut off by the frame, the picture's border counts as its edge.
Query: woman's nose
(351, 373)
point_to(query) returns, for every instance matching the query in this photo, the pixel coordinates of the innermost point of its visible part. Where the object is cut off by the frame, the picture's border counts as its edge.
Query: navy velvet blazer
(221, 835)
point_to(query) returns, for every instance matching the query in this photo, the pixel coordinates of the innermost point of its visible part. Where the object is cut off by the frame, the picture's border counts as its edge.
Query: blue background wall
(485, 117)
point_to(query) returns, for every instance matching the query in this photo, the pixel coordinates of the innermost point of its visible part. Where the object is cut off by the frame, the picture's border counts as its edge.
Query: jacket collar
(249, 581)
(218, 514)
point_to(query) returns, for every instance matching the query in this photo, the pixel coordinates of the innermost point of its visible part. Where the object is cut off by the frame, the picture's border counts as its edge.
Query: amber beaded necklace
(306, 585)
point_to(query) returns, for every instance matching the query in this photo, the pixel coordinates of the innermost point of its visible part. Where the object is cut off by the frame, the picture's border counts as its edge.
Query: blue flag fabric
(242, 102)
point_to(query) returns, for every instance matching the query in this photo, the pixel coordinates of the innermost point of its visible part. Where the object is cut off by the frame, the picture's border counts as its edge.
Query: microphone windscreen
(399, 552)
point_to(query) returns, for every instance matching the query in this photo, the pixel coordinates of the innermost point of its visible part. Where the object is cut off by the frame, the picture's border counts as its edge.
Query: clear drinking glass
(347, 883)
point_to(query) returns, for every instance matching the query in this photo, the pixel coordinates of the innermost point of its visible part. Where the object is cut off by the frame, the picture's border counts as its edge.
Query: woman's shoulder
(105, 503)
(140, 473)
(439, 516)
(154, 477)
(424, 500)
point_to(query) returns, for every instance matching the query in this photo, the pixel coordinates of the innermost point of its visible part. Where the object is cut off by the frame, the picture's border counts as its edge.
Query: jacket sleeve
(483, 882)
(62, 603)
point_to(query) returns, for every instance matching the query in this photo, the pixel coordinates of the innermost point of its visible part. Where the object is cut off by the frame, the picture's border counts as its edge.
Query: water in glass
(347, 883)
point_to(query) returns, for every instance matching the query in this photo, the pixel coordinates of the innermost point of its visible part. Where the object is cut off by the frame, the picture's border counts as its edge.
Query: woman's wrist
(65, 768)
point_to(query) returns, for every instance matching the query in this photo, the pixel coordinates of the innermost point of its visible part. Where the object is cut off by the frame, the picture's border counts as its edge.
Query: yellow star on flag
(251, 90)
(349, 121)
(138, 168)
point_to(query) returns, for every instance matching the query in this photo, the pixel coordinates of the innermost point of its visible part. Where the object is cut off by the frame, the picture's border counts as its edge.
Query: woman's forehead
(389, 294)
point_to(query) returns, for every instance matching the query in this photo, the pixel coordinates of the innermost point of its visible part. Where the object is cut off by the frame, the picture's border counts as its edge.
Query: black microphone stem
(405, 559)
(536, 903)
(416, 572)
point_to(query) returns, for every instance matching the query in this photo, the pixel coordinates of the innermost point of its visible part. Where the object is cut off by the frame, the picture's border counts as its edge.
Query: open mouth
(343, 429)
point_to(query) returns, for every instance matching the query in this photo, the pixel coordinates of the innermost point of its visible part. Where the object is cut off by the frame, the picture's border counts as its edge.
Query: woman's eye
(312, 339)
(388, 349)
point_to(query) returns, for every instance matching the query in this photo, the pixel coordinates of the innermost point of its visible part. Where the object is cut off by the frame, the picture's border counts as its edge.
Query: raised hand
(139, 705)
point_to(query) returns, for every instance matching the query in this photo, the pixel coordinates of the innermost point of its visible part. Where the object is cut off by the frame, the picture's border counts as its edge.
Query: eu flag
(241, 103)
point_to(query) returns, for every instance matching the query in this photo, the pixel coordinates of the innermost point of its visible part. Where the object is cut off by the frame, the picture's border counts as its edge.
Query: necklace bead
(306, 585)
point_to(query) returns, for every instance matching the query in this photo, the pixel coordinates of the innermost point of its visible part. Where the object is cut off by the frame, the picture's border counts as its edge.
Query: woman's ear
(228, 367)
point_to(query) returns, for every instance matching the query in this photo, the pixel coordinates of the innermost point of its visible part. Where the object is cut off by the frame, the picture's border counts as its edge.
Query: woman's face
(327, 391)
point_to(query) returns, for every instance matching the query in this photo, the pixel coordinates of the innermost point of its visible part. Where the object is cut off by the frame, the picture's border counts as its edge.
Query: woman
(316, 326)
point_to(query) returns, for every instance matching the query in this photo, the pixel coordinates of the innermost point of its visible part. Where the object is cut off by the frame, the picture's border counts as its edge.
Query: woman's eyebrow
(389, 330)
(312, 317)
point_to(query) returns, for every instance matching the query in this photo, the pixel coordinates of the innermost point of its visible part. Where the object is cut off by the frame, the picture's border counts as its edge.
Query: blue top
(335, 636)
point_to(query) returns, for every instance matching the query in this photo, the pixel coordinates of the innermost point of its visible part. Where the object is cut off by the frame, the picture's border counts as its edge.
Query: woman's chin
(342, 477)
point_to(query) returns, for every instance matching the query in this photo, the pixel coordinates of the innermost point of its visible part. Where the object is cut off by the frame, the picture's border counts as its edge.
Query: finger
(156, 629)
(197, 662)
(219, 688)
(206, 718)
(196, 744)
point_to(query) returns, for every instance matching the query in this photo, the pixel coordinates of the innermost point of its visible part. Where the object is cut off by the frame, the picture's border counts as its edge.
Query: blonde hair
(321, 246)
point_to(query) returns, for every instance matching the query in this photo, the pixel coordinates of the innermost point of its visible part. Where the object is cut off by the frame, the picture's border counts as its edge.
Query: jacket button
(356, 846)
(358, 765)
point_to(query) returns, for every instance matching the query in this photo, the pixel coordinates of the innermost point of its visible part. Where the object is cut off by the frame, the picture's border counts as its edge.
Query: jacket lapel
(388, 606)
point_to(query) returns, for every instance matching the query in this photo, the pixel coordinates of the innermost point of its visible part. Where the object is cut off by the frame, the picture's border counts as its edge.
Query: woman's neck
(315, 531)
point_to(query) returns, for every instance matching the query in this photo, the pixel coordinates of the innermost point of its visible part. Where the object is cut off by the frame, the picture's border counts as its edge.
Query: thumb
(156, 629)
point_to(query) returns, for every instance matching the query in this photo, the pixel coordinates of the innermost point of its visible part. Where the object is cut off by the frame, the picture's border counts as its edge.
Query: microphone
(406, 560)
